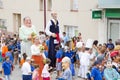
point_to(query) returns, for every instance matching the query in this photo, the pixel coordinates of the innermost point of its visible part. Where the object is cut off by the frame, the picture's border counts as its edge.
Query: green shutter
(97, 14)
(112, 13)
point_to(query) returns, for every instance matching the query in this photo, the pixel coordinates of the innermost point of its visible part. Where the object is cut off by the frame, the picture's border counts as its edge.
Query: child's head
(24, 56)
(36, 66)
(47, 61)
(79, 45)
(7, 58)
(97, 63)
(32, 61)
(9, 49)
(28, 59)
(66, 62)
(114, 55)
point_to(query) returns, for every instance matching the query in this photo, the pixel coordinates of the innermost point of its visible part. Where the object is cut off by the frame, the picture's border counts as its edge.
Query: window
(49, 5)
(1, 4)
(71, 31)
(3, 24)
(16, 22)
(41, 5)
(74, 5)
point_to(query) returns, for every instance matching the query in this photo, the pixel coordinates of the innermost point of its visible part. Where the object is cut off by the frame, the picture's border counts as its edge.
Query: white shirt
(85, 59)
(35, 50)
(26, 69)
(45, 72)
(47, 30)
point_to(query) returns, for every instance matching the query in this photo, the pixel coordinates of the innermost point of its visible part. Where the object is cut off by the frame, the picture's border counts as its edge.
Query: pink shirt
(35, 75)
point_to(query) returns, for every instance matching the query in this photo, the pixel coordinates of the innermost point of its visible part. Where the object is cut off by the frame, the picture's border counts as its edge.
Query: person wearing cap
(95, 72)
(52, 29)
(114, 55)
(85, 58)
(110, 73)
(79, 52)
(26, 69)
(66, 75)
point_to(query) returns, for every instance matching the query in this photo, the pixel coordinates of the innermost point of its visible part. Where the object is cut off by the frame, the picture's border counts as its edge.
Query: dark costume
(52, 43)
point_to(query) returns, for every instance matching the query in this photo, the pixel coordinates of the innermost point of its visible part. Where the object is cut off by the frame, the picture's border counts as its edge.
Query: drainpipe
(44, 14)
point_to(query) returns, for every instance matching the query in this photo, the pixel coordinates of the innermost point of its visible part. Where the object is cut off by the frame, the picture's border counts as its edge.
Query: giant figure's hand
(54, 35)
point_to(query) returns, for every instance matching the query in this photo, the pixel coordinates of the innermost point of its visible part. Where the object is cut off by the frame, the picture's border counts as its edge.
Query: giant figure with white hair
(52, 29)
(26, 33)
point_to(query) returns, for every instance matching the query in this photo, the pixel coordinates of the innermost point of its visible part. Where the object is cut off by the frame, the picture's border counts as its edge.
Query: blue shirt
(46, 53)
(18, 46)
(96, 74)
(7, 68)
(65, 38)
(59, 53)
(70, 55)
(32, 68)
(47, 43)
(9, 54)
(12, 47)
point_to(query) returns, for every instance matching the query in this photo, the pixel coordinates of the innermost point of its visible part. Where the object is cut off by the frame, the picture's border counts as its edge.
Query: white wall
(83, 18)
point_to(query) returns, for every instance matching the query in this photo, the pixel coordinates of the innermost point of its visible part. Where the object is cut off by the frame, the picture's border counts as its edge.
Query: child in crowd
(71, 55)
(45, 72)
(35, 75)
(79, 46)
(59, 56)
(32, 65)
(86, 58)
(9, 54)
(95, 72)
(67, 74)
(26, 69)
(6, 68)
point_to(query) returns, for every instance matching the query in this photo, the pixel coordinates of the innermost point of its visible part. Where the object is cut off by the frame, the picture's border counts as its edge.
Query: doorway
(113, 30)
(16, 22)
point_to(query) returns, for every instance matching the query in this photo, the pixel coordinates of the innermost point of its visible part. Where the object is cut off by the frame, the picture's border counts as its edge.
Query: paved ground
(16, 74)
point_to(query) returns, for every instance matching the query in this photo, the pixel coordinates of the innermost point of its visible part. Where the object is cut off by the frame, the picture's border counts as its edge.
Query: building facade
(85, 16)
(110, 19)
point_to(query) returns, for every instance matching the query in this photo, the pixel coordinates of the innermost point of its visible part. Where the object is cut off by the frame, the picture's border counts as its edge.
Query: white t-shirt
(85, 59)
(35, 50)
(26, 69)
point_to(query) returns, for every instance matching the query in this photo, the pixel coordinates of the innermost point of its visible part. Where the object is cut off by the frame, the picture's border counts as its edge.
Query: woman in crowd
(37, 54)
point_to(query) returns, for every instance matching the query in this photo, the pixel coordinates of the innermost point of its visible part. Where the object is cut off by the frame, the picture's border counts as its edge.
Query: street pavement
(17, 74)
